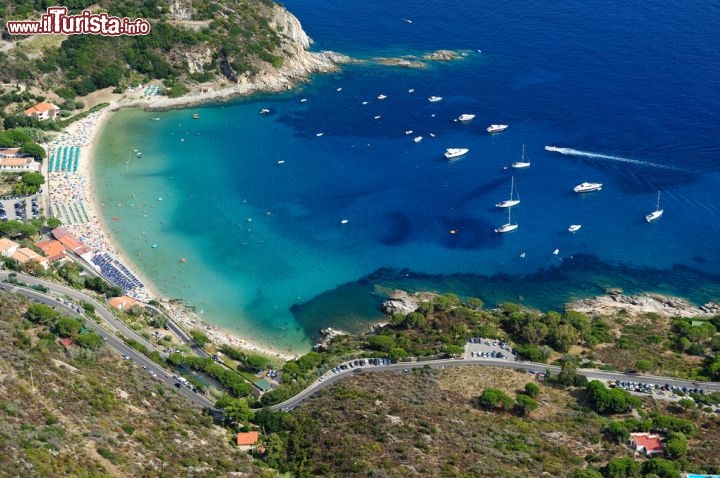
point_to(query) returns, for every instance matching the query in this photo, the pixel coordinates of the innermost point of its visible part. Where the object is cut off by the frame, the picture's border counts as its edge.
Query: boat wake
(587, 154)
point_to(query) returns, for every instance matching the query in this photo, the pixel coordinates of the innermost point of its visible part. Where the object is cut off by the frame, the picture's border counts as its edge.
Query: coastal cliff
(294, 63)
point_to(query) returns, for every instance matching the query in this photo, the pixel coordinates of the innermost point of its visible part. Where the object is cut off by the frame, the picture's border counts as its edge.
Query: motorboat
(264, 111)
(656, 213)
(466, 117)
(497, 128)
(507, 227)
(510, 202)
(523, 163)
(435, 99)
(196, 115)
(417, 139)
(381, 97)
(587, 187)
(409, 131)
(574, 227)
(452, 153)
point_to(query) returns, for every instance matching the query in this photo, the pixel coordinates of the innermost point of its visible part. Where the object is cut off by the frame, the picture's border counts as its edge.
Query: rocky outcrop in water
(401, 302)
(641, 304)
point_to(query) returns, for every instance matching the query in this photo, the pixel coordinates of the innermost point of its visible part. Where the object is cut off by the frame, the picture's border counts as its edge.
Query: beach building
(123, 302)
(8, 247)
(646, 443)
(247, 440)
(53, 250)
(43, 111)
(23, 255)
(12, 160)
(70, 242)
(262, 386)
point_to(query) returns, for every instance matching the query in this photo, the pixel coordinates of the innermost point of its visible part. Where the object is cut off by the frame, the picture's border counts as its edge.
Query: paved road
(100, 308)
(161, 375)
(330, 377)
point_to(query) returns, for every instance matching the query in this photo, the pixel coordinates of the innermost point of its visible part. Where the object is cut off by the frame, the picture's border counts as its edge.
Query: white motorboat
(264, 111)
(344, 221)
(523, 163)
(452, 153)
(656, 213)
(466, 117)
(574, 227)
(381, 97)
(510, 202)
(587, 187)
(507, 227)
(409, 131)
(417, 139)
(435, 99)
(497, 128)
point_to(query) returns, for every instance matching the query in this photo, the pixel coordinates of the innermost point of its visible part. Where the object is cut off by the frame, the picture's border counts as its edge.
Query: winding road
(329, 378)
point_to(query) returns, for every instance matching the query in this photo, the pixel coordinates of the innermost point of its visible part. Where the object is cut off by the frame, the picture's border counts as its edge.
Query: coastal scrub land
(184, 395)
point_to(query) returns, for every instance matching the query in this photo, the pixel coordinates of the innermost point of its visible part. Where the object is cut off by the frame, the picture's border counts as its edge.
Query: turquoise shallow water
(267, 254)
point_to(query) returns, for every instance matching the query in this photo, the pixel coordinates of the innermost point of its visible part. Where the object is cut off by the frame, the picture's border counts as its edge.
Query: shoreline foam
(79, 186)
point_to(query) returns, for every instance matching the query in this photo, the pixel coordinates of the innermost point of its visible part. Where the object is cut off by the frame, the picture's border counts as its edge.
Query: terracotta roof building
(43, 111)
(123, 302)
(68, 240)
(53, 250)
(646, 443)
(24, 254)
(8, 247)
(247, 440)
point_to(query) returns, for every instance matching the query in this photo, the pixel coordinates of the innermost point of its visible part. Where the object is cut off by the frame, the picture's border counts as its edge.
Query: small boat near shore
(264, 111)
(523, 163)
(381, 97)
(435, 99)
(510, 202)
(155, 119)
(466, 117)
(507, 227)
(587, 187)
(574, 227)
(452, 153)
(657, 213)
(196, 115)
(497, 128)
(417, 139)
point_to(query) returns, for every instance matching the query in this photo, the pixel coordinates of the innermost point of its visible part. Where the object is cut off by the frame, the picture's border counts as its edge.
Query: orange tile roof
(247, 438)
(70, 242)
(15, 161)
(6, 244)
(52, 249)
(123, 302)
(9, 151)
(41, 108)
(651, 443)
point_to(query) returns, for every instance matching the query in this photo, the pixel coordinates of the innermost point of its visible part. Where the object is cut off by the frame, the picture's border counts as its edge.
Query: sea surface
(272, 230)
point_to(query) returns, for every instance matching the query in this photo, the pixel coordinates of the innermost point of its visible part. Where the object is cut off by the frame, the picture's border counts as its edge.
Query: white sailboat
(523, 163)
(510, 202)
(507, 227)
(656, 213)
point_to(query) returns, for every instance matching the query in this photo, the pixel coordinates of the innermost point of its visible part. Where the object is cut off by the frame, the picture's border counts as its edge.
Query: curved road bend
(161, 375)
(330, 377)
(100, 308)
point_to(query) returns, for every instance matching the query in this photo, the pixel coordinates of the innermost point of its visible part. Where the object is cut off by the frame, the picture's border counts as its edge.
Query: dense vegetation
(465, 423)
(233, 38)
(82, 411)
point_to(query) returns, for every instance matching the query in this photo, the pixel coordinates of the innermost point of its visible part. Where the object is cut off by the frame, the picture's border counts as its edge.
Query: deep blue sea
(631, 89)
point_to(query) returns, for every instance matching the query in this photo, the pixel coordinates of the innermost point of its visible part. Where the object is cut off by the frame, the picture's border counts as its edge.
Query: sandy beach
(72, 188)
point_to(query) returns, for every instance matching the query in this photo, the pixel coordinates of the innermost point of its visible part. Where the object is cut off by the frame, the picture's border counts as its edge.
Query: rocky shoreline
(637, 304)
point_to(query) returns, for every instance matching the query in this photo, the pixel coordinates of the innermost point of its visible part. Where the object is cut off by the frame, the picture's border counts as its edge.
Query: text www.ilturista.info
(57, 21)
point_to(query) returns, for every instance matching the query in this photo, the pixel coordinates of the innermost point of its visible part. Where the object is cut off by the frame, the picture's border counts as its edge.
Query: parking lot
(489, 349)
(20, 209)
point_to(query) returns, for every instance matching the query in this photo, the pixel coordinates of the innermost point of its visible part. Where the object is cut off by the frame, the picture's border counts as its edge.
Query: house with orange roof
(247, 440)
(26, 163)
(646, 443)
(123, 302)
(66, 239)
(8, 247)
(53, 250)
(43, 111)
(23, 254)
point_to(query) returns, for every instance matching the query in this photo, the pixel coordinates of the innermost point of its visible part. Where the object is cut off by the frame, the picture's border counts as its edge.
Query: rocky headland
(638, 304)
